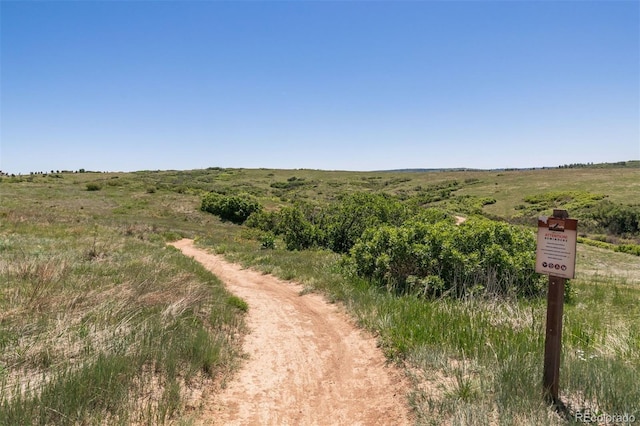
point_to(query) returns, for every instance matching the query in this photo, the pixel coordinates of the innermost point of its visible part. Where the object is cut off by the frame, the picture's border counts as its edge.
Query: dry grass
(88, 297)
(594, 262)
(87, 287)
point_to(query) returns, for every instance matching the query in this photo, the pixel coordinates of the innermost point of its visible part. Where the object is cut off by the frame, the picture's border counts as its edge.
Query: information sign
(556, 250)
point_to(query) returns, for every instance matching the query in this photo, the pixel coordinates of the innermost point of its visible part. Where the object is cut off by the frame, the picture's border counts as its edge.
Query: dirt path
(307, 363)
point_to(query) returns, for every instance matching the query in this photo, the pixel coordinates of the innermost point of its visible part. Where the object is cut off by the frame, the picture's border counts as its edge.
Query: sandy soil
(307, 363)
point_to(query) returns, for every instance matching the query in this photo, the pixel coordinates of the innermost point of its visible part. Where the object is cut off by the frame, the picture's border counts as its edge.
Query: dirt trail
(307, 363)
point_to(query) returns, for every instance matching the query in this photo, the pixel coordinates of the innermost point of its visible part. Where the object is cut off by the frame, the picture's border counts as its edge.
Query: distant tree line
(592, 165)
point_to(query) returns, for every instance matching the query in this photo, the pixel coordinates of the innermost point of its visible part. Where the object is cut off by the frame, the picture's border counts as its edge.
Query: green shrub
(467, 204)
(234, 208)
(336, 226)
(265, 221)
(268, 241)
(629, 248)
(92, 186)
(436, 192)
(596, 243)
(298, 231)
(617, 219)
(573, 201)
(478, 257)
(291, 183)
(345, 221)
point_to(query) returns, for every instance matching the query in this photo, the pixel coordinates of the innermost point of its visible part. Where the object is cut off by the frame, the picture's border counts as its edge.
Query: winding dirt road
(307, 363)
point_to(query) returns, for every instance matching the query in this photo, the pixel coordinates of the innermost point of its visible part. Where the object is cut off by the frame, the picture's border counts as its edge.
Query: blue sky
(349, 85)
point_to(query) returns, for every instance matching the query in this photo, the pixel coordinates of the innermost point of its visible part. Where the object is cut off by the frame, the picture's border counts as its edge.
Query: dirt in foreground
(307, 363)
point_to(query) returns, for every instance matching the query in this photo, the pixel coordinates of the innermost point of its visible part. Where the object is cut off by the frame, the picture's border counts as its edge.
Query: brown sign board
(556, 250)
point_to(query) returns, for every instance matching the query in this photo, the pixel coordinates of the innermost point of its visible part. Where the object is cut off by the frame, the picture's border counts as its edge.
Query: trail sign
(556, 250)
(556, 257)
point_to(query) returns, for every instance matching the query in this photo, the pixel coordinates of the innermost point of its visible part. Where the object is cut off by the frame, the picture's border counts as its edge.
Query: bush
(298, 231)
(345, 221)
(616, 219)
(268, 241)
(337, 226)
(436, 192)
(92, 186)
(573, 201)
(477, 257)
(264, 221)
(234, 208)
(291, 183)
(629, 248)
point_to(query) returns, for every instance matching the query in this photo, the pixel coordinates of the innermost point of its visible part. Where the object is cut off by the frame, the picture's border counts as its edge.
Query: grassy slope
(480, 362)
(99, 322)
(71, 258)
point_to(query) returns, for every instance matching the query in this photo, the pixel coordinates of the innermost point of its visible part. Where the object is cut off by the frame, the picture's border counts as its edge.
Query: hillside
(92, 295)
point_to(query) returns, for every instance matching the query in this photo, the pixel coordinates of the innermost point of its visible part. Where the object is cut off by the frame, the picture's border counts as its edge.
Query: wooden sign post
(556, 257)
(553, 339)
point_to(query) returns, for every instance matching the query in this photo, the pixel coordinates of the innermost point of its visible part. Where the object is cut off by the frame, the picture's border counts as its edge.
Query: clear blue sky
(350, 85)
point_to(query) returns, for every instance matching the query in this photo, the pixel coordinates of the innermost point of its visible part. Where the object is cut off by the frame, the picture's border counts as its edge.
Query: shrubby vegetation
(573, 201)
(412, 249)
(234, 208)
(468, 204)
(617, 219)
(474, 360)
(621, 248)
(93, 186)
(440, 258)
(292, 182)
(596, 214)
(346, 221)
(336, 226)
(436, 192)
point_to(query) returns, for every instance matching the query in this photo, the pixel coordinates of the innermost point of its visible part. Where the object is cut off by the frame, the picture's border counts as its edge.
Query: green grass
(90, 294)
(480, 361)
(100, 322)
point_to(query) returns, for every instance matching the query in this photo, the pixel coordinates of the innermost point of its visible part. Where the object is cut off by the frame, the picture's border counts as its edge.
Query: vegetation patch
(441, 258)
(436, 192)
(406, 248)
(93, 186)
(90, 296)
(335, 226)
(291, 183)
(99, 322)
(568, 200)
(614, 218)
(234, 208)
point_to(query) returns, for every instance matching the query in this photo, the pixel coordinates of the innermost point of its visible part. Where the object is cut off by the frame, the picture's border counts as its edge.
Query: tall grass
(480, 361)
(98, 325)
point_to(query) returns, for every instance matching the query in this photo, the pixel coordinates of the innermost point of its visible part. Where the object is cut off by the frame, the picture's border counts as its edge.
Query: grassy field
(480, 362)
(101, 323)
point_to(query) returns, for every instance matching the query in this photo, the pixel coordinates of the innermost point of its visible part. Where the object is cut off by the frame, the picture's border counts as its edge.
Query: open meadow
(102, 323)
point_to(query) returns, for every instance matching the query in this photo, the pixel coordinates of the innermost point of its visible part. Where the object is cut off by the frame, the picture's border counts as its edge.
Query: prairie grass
(100, 322)
(90, 295)
(480, 361)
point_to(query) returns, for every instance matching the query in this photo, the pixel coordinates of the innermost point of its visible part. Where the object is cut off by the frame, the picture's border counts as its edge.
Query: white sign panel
(556, 251)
